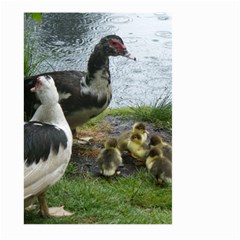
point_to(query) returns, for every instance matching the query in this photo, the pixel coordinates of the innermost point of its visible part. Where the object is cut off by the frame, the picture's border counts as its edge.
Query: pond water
(69, 38)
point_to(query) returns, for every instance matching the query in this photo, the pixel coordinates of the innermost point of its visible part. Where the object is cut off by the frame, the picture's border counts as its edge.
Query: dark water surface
(69, 38)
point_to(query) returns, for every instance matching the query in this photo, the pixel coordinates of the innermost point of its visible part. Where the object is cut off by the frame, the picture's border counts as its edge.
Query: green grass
(159, 114)
(33, 60)
(124, 200)
(121, 112)
(130, 200)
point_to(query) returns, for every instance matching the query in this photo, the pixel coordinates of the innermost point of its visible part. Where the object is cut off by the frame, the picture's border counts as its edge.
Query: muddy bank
(84, 155)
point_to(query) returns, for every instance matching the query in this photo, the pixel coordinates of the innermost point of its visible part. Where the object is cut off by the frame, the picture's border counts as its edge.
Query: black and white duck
(82, 95)
(47, 147)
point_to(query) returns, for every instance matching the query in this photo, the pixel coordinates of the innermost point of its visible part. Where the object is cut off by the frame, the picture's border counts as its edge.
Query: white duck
(47, 147)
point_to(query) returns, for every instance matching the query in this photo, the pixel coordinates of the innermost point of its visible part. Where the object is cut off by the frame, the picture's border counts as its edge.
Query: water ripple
(168, 45)
(104, 28)
(130, 40)
(80, 42)
(119, 19)
(68, 40)
(164, 34)
(162, 16)
(58, 43)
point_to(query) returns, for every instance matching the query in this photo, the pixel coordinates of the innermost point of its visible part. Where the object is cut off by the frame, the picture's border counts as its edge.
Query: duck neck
(98, 66)
(49, 113)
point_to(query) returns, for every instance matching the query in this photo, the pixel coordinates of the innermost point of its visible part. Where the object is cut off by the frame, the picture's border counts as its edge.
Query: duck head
(113, 45)
(136, 138)
(46, 90)
(111, 143)
(155, 140)
(154, 153)
(139, 128)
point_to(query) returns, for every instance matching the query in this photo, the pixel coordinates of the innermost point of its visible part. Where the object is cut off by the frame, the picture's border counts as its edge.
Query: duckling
(137, 147)
(156, 141)
(109, 158)
(159, 166)
(125, 136)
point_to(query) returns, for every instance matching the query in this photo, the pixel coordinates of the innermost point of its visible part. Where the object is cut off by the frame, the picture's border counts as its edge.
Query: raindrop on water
(162, 16)
(164, 34)
(118, 19)
(168, 44)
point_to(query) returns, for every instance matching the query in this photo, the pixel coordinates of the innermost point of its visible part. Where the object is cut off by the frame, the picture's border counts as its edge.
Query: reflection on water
(69, 38)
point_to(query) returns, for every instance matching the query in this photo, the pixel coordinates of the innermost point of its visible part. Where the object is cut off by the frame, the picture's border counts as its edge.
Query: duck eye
(114, 43)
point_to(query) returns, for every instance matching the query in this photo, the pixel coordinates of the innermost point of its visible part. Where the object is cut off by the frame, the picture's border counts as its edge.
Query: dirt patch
(84, 156)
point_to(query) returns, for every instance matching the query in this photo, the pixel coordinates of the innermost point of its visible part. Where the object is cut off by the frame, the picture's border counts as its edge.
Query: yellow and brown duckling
(137, 148)
(159, 166)
(125, 136)
(109, 158)
(156, 141)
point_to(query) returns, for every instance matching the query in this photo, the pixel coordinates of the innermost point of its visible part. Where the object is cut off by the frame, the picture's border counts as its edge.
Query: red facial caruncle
(121, 49)
(38, 84)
